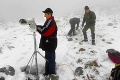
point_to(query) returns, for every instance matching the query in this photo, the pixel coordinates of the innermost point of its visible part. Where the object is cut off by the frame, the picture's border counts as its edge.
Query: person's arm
(83, 21)
(48, 28)
(39, 28)
(78, 21)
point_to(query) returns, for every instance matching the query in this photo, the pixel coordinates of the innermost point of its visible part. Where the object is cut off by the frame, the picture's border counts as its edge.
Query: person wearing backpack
(115, 73)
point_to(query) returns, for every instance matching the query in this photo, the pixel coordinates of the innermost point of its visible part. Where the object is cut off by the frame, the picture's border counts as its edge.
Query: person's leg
(84, 32)
(73, 29)
(70, 32)
(92, 28)
(52, 64)
(46, 64)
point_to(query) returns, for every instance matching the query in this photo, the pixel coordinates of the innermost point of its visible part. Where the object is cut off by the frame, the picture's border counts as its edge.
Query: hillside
(17, 47)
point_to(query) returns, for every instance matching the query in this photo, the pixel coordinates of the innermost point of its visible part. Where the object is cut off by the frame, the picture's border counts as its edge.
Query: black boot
(93, 42)
(93, 39)
(74, 33)
(54, 77)
(70, 33)
(85, 37)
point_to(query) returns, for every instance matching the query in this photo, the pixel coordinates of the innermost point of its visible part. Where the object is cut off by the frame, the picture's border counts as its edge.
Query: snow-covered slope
(17, 46)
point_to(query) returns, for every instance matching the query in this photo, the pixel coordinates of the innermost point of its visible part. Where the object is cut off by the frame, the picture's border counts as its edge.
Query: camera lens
(22, 21)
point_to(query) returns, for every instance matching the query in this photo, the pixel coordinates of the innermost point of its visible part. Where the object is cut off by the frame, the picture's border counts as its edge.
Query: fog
(16, 9)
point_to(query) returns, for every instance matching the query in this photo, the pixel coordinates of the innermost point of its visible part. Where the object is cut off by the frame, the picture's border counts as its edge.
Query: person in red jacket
(48, 41)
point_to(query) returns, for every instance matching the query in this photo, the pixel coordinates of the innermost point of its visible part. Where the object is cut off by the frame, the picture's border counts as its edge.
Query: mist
(17, 9)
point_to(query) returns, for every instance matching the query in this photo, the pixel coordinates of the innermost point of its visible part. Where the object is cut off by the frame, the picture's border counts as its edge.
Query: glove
(39, 26)
(87, 21)
(76, 28)
(82, 25)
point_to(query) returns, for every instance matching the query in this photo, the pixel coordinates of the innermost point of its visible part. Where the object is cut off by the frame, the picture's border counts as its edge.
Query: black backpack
(115, 73)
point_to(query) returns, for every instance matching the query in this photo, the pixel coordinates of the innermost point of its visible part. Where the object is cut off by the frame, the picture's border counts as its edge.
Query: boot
(47, 77)
(74, 33)
(93, 42)
(93, 39)
(85, 37)
(54, 77)
(70, 35)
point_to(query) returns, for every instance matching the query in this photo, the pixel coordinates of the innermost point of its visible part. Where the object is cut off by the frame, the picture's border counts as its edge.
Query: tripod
(35, 55)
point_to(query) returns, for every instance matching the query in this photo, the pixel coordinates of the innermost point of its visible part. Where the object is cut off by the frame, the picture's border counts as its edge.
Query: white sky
(15, 9)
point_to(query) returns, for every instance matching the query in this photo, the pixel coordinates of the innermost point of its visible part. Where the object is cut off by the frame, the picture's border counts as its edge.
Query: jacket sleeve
(83, 20)
(78, 21)
(39, 27)
(47, 29)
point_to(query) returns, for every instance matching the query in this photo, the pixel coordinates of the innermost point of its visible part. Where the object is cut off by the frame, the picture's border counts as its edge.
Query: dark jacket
(74, 21)
(115, 73)
(48, 31)
(89, 18)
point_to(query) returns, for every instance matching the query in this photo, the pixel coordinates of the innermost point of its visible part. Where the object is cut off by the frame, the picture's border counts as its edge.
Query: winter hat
(86, 7)
(48, 10)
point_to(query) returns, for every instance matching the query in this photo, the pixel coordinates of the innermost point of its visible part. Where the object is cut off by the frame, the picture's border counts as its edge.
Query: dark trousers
(72, 30)
(51, 65)
(92, 28)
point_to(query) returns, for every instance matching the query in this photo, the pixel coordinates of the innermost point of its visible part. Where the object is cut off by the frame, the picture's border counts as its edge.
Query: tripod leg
(31, 64)
(29, 61)
(37, 77)
(43, 56)
(30, 67)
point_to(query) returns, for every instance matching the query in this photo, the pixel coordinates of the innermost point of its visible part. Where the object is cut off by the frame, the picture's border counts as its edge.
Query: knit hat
(86, 7)
(48, 10)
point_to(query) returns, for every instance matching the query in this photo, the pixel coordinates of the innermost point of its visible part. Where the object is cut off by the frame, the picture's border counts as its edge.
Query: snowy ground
(17, 46)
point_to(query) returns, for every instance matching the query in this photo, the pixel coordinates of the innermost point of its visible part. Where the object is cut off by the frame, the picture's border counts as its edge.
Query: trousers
(50, 65)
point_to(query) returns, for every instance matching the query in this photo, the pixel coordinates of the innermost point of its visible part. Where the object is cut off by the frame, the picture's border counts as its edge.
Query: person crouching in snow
(73, 22)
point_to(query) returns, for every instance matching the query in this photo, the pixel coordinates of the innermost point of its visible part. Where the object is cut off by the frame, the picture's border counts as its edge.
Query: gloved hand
(76, 28)
(82, 25)
(87, 21)
(39, 26)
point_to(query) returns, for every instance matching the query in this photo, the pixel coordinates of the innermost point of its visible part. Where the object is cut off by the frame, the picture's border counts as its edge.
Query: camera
(30, 22)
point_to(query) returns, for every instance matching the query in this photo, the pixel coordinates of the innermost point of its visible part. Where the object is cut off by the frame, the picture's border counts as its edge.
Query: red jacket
(48, 33)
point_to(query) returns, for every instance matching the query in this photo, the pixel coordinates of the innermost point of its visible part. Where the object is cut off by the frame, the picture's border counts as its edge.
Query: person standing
(73, 22)
(89, 18)
(48, 41)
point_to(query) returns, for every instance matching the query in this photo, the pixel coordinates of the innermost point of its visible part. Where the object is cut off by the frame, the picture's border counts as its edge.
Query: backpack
(114, 55)
(115, 73)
